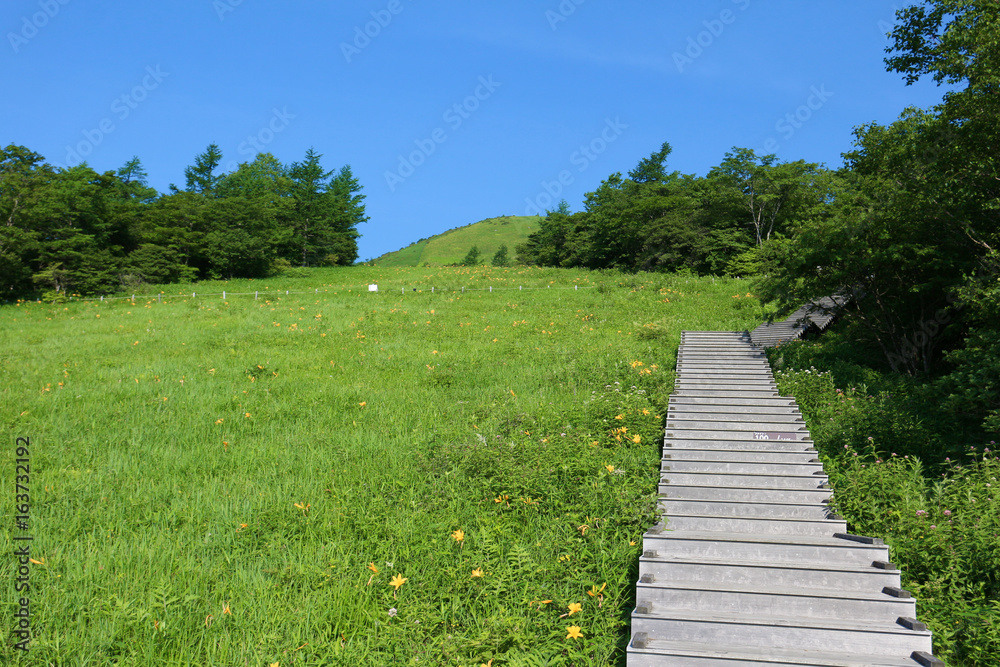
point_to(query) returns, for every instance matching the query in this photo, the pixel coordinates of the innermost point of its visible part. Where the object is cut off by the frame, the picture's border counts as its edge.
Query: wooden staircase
(750, 566)
(816, 315)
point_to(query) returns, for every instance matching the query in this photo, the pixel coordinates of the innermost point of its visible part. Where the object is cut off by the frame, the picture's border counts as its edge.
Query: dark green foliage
(155, 264)
(972, 388)
(656, 220)
(201, 177)
(472, 258)
(74, 231)
(652, 169)
(765, 191)
(500, 257)
(917, 211)
(350, 212)
(902, 470)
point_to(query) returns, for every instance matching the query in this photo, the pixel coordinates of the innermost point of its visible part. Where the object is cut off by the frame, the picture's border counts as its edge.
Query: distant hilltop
(452, 246)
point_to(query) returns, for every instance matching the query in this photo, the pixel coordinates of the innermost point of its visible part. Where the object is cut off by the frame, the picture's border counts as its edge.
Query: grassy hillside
(335, 476)
(451, 247)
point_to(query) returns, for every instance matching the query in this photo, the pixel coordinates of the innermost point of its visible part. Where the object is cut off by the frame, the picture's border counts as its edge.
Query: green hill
(450, 247)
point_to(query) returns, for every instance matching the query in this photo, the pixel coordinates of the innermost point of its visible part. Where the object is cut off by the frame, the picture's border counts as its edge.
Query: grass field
(341, 477)
(452, 246)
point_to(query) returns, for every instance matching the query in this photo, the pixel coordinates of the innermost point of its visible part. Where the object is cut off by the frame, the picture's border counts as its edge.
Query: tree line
(909, 226)
(77, 231)
(657, 220)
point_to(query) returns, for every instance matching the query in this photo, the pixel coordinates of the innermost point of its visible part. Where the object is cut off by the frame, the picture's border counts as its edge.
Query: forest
(75, 231)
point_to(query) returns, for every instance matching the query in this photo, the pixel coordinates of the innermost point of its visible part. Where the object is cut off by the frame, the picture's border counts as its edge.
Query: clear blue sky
(485, 103)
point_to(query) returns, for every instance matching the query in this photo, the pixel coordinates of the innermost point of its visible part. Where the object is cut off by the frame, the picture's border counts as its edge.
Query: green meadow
(451, 247)
(335, 476)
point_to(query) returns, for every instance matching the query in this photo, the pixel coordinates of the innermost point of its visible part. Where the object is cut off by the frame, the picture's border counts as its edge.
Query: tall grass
(237, 482)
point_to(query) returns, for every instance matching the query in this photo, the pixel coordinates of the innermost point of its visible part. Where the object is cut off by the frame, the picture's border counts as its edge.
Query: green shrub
(893, 478)
(944, 535)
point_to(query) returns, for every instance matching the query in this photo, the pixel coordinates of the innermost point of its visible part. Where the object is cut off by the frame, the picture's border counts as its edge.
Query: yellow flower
(397, 581)
(363, 403)
(303, 506)
(645, 412)
(620, 417)
(637, 439)
(225, 608)
(458, 535)
(574, 632)
(371, 566)
(595, 591)
(477, 572)
(247, 415)
(574, 607)
(609, 468)
(218, 421)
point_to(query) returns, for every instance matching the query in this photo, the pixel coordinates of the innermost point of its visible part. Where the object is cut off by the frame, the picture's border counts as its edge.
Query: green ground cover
(241, 481)
(452, 246)
(408, 256)
(907, 469)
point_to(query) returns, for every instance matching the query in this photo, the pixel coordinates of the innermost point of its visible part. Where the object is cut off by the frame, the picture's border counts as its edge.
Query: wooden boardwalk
(750, 566)
(815, 315)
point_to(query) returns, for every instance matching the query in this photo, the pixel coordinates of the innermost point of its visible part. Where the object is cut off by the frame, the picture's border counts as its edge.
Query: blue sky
(448, 112)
